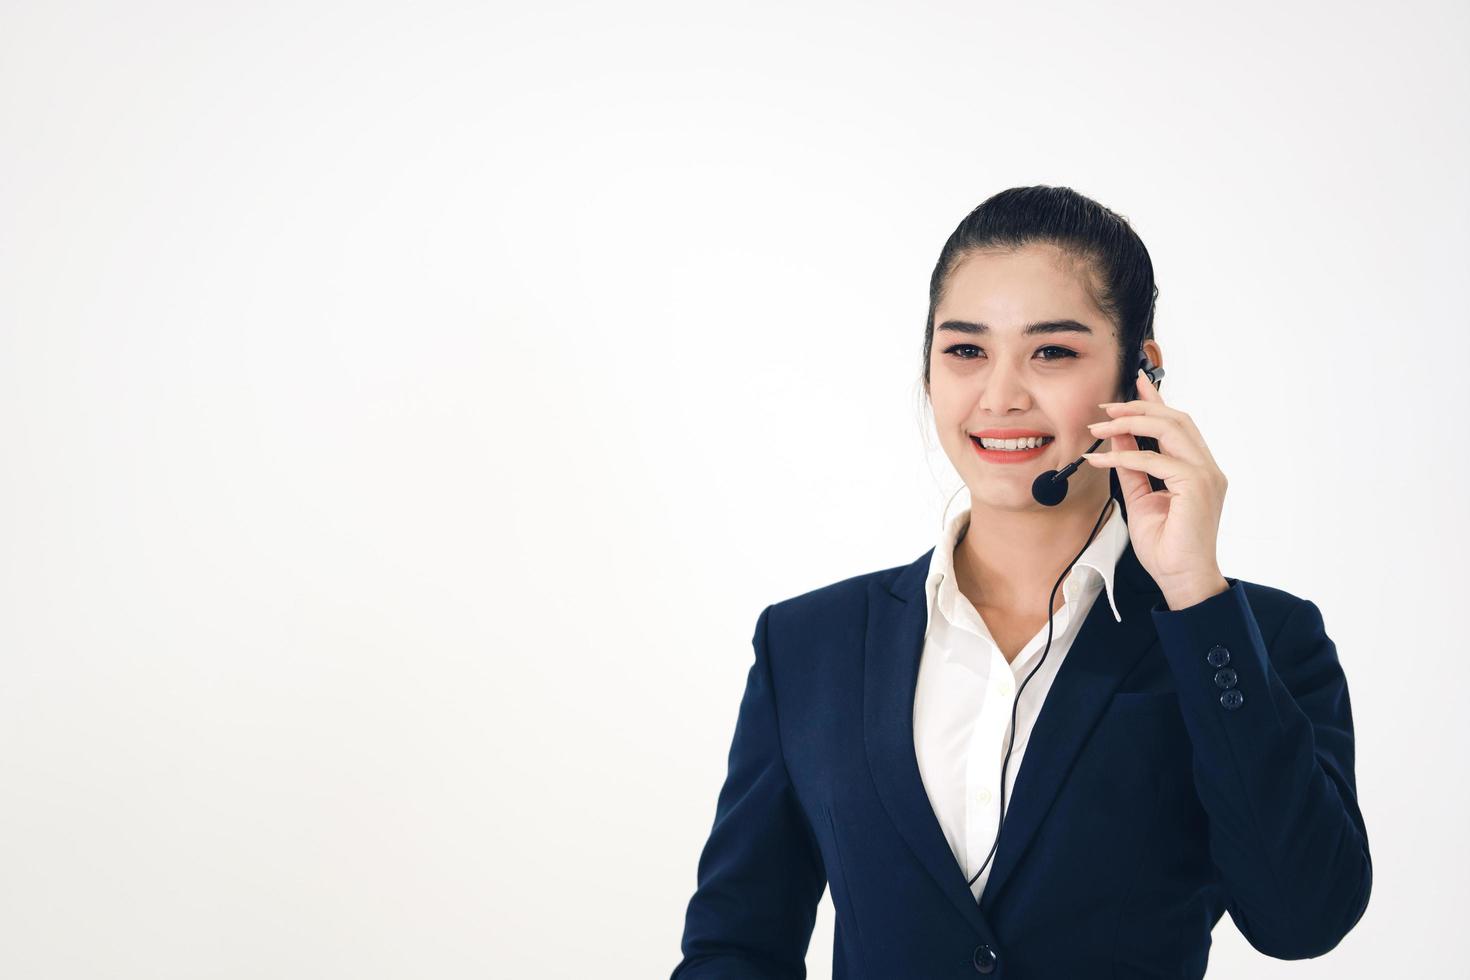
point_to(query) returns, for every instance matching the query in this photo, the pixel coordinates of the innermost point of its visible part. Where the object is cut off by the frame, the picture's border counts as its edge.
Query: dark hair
(1115, 267)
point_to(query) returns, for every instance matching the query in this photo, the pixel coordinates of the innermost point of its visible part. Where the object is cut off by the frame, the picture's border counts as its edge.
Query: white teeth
(1030, 442)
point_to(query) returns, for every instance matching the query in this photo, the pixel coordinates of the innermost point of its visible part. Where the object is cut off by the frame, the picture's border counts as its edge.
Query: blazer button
(1225, 677)
(985, 959)
(1218, 656)
(1232, 699)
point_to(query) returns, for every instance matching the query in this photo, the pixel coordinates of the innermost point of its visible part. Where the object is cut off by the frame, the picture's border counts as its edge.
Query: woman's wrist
(1194, 592)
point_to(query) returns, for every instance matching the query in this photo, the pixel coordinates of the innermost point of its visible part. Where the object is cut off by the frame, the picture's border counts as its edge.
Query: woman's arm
(1275, 773)
(760, 874)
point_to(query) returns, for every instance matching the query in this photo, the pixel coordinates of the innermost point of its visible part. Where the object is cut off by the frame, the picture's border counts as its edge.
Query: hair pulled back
(1110, 258)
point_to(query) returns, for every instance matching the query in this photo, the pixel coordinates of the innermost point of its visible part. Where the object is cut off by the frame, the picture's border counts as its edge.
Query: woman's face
(987, 372)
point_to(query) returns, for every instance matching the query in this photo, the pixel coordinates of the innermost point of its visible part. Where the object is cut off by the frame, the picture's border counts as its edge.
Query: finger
(1132, 483)
(1144, 406)
(1173, 438)
(1173, 471)
(1146, 400)
(1147, 390)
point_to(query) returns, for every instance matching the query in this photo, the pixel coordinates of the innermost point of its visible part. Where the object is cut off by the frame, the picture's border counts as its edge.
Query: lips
(1008, 455)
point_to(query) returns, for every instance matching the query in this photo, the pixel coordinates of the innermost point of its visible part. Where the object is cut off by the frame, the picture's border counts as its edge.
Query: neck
(1017, 557)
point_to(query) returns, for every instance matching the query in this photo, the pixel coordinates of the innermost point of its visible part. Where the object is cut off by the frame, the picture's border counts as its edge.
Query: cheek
(951, 404)
(1079, 405)
(949, 422)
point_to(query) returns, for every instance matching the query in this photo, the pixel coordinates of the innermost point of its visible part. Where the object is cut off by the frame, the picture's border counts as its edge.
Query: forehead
(1007, 290)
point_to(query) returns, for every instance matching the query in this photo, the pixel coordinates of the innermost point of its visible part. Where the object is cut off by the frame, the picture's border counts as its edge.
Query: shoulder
(833, 610)
(816, 638)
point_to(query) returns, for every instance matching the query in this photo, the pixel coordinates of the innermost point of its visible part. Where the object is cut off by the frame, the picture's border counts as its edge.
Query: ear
(1154, 351)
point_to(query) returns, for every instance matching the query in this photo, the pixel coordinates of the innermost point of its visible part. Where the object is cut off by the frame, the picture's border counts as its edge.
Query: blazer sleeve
(1273, 766)
(760, 874)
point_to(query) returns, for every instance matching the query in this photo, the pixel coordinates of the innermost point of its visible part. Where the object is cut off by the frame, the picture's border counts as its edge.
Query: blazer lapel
(1102, 654)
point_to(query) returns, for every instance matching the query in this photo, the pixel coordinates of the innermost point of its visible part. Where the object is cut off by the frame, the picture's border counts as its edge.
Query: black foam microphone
(1050, 488)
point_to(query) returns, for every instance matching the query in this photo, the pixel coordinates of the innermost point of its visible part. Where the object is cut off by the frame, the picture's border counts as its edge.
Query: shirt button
(983, 797)
(1218, 656)
(1232, 699)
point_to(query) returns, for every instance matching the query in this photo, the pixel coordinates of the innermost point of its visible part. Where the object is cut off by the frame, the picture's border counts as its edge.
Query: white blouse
(962, 706)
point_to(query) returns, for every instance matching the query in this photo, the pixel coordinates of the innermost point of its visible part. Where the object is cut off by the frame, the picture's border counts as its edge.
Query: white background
(408, 409)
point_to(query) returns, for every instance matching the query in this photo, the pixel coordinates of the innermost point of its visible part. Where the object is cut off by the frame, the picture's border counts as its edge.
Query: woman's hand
(1173, 530)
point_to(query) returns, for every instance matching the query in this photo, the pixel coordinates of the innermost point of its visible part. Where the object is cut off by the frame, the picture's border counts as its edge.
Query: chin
(1015, 497)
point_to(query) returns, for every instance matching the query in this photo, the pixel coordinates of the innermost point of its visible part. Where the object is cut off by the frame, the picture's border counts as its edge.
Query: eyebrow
(1044, 326)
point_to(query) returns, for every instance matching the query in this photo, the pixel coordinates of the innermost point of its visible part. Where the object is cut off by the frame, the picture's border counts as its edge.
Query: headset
(1050, 488)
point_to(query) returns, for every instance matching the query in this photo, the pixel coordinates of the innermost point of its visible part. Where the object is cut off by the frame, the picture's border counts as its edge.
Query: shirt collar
(1100, 559)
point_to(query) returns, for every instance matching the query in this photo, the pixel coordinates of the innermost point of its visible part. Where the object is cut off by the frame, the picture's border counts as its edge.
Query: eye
(1063, 352)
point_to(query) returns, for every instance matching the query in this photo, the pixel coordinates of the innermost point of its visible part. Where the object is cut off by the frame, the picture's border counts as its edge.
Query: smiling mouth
(1045, 441)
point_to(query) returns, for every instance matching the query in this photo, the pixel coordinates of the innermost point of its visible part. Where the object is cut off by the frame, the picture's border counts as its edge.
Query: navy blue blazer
(1183, 765)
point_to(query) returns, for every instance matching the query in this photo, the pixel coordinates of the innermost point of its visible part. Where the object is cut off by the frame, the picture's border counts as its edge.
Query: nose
(1004, 391)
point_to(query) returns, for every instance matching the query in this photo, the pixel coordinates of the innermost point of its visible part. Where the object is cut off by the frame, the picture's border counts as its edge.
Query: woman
(1187, 738)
